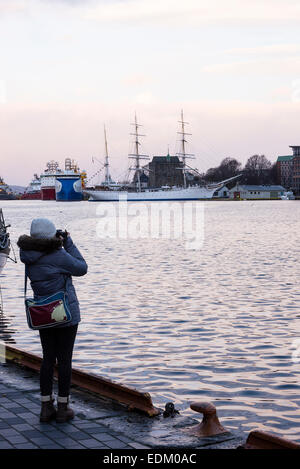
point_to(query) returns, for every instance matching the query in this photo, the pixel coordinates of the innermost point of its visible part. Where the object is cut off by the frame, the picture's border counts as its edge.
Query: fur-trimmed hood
(31, 249)
(27, 243)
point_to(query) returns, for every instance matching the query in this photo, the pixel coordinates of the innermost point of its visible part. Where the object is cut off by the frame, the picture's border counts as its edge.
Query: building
(165, 171)
(296, 170)
(144, 180)
(285, 170)
(240, 191)
(222, 193)
(288, 170)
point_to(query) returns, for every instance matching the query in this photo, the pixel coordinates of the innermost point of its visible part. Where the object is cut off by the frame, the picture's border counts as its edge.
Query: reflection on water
(215, 324)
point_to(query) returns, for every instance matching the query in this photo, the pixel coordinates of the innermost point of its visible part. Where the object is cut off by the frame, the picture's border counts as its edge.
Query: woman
(50, 262)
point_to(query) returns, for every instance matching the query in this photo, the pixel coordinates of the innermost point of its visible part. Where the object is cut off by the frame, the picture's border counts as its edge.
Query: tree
(257, 170)
(228, 168)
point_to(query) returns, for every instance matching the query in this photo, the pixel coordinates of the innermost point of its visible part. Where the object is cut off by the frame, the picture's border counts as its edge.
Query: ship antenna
(183, 153)
(137, 156)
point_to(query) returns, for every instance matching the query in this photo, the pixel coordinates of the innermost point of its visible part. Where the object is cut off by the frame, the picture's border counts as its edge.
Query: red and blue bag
(49, 311)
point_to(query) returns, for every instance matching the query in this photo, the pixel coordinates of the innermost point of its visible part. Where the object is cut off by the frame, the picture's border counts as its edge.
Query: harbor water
(219, 323)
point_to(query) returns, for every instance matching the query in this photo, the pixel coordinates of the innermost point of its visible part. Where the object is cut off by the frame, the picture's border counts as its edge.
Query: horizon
(71, 66)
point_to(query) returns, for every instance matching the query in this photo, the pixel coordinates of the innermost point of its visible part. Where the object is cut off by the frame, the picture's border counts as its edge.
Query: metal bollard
(262, 440)
(210, 425)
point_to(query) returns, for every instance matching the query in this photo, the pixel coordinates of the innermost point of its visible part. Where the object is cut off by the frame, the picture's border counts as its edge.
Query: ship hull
(68, 189)
(32, 196)
(48, 193)
(190, 193)
(3, 259)
(7, 197)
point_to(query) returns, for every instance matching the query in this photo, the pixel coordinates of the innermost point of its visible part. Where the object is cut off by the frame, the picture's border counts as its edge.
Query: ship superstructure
(48, 180)
(33, 191)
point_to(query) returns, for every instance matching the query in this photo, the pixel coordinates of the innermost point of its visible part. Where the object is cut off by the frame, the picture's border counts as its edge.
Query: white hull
(190, 193)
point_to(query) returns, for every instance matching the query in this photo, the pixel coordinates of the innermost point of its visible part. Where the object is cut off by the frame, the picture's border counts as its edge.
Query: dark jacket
(50, 264)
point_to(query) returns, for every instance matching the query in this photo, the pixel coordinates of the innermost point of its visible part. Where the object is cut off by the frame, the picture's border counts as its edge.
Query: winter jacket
(50, 264)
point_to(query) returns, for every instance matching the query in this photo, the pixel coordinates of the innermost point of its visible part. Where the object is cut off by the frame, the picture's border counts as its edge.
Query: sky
(67, 67)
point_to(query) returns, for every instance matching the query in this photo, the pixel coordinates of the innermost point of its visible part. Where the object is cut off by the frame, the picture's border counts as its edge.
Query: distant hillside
(17, 189)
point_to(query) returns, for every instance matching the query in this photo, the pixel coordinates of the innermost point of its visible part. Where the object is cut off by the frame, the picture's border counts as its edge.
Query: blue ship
(68, 187)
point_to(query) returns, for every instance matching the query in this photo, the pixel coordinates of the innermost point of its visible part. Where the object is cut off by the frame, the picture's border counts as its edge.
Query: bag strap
(26, 281)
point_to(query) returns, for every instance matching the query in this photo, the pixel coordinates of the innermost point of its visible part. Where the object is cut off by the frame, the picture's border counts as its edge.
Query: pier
(99, 423)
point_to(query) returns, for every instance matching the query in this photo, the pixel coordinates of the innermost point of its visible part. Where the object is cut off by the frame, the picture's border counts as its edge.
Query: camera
(62, 233)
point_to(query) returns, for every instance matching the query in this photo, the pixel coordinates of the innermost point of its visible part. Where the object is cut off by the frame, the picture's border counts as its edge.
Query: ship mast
(183, 153)
(106, 164)
(137, 156)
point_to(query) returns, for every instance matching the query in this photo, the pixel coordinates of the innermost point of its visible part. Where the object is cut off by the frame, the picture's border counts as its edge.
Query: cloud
(70, 2)
(195, 11)
(12, 6)
(269, 50)
(255, 67)
(136, 80)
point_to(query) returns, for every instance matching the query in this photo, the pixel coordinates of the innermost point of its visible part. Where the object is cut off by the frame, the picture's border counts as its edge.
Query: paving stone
(77, 445)
(44, 427)
(116, 444)
(62, 426)
(69, 444)
(51, 446)
(125, 439)
(79, 435)
(11, 405)
(23, 400)
(55, 434)
(26, 446)
(28, 417)
(104, 437)
(92, 444)
(31, 433)
(9, 391)
(6, 432)
(5, 445)
(72, 429)
(41, 440)
(14, 421)
(87, 425)
(30, 404)
(4, 425)
(96, 430)
(17, 439)
(137, 446)
(22, 427)
(4, 400)
(6, 415)
(17, 410)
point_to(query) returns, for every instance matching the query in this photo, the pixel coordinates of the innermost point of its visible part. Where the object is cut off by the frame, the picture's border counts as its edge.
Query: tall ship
(136, 190)
(48, 180)
(33, 191)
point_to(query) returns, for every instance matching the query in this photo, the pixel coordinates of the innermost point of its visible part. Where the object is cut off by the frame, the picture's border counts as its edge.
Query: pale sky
(69, 66)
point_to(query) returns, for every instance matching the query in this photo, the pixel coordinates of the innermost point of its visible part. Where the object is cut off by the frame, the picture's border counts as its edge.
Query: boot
(64, 412)
(48, 411)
